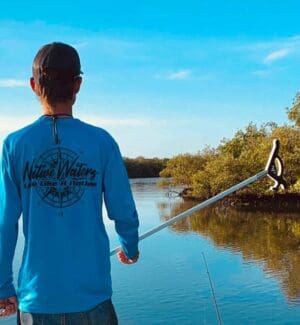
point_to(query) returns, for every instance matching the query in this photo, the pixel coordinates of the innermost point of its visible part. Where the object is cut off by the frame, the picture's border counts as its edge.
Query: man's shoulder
(99, 132)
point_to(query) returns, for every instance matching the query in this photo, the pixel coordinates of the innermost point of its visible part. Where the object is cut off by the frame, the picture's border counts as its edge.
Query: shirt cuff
(131, 252)
(7, 291)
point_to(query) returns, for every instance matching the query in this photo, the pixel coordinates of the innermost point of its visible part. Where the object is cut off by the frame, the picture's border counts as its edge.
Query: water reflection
(268, 238)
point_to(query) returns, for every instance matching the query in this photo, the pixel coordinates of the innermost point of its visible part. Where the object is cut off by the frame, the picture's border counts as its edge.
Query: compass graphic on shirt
(59, 177)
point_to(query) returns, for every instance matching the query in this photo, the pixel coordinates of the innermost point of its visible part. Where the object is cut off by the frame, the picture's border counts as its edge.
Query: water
(253, 260)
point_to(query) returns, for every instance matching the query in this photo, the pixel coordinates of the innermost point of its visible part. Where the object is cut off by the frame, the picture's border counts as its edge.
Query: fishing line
(212, 290)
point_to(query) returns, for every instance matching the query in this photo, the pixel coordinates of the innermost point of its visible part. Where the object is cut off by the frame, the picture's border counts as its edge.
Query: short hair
(55, 69)
(55, 93)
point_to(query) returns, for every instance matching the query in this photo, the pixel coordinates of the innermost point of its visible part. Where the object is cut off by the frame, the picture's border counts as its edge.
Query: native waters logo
(59, 176)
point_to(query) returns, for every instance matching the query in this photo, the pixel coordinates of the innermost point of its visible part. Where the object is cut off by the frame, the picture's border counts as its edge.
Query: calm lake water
(253, 260)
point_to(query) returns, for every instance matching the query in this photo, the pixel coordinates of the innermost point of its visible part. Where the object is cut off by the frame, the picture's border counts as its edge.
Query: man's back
(57, 169)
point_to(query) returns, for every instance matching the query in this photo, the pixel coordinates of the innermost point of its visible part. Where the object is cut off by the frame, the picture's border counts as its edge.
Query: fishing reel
(274, 168)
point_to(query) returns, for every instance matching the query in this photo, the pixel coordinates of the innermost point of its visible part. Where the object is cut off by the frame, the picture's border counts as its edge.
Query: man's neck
(58, 109)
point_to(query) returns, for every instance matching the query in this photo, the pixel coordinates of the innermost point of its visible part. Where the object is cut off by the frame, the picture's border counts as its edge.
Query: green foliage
(182, 167)
(212, 171)
(294, 111)
(236, 159)
(296, 187)
(290, 150)
(141, 167)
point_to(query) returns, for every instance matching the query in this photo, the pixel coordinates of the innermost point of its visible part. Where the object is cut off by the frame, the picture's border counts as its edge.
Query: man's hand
(124, 259)
(8, 306)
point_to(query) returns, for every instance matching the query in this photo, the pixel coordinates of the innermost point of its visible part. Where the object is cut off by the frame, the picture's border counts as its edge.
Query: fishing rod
(273, 169)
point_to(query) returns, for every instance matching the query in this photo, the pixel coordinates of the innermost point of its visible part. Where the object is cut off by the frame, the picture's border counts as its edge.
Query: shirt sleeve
(120, 204)
(10, 211)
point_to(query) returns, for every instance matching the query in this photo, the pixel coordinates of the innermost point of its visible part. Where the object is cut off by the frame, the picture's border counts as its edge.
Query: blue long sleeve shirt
(56, 174)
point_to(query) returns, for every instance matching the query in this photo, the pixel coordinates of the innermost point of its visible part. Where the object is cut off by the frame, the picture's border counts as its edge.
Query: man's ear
(77, 84)
(32, 84)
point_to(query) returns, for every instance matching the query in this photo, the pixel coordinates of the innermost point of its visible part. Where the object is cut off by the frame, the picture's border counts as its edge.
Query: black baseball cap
(56, 63)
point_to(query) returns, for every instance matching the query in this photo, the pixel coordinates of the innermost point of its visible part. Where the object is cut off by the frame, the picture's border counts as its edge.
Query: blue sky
(163, 77)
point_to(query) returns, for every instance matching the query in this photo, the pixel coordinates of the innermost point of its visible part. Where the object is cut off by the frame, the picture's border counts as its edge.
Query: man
(55, 172)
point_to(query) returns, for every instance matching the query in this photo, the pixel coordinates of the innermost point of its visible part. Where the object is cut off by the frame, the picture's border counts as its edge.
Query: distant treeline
(141, 167)
(213, 170)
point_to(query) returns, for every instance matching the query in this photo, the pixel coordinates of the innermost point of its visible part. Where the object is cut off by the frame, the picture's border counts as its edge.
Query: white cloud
(11, 123)
(276, 55)
(12, 83)
(179, 75)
